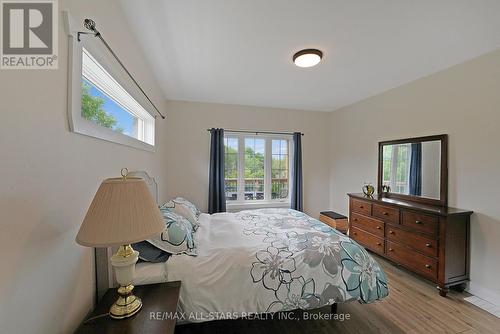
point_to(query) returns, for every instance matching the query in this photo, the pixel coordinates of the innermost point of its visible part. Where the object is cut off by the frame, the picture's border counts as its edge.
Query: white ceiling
(239, 51)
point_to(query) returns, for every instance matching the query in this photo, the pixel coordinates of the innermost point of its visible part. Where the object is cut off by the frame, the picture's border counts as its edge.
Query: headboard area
(105, 278)
(150, 181)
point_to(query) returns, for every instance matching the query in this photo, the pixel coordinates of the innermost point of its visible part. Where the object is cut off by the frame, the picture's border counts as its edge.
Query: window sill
(233, 207)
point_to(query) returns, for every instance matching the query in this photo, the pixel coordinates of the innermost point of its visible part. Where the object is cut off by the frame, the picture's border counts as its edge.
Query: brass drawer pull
(391, 232)
(378, 227)
(355, 219)
(379, 244)
(385, 213)
(428, 244)
(428, 266)
(361, 207)
(355, 233)
(391, 250)
(418, 222)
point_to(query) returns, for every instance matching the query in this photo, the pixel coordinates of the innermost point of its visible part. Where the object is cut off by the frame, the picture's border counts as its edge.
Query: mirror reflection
(413, 168)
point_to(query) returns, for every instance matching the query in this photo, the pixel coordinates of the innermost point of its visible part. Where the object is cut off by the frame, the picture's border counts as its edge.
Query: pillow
(150, 253)
(177, 238)
(184, 208)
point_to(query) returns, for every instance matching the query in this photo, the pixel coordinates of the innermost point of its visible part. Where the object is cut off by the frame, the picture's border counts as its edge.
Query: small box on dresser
(431, 241)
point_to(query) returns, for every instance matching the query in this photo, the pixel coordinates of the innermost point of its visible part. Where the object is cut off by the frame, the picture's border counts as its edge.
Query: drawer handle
(418, 222)
(378, 227)
(355, 233)
(361, 207)
(355, 219)
(391, 232)
(428, 245)
(385, 213)
(379, 244)
(391, 250)
(428, 266)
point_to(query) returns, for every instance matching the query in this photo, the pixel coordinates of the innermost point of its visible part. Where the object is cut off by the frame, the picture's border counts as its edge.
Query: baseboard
(484, 293)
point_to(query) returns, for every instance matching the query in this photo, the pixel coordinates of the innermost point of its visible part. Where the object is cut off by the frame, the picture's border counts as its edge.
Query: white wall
(462, 101)
(48, 178)
(431, 169)
(188, 146)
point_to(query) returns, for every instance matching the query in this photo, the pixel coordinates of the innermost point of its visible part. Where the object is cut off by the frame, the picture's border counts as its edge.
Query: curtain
(416, 169)
(216, 191)
(297, 196)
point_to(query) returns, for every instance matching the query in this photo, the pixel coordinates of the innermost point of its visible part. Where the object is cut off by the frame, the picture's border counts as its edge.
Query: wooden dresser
(431, 241)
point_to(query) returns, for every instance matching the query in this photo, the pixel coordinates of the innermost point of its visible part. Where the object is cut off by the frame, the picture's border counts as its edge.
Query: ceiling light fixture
(307, 58)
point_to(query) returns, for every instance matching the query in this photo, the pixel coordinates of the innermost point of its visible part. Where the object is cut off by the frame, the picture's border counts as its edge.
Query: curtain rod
(260, 132)
(90, 25)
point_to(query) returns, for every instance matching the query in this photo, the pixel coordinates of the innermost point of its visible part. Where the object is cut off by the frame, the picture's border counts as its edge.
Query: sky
(124, 120)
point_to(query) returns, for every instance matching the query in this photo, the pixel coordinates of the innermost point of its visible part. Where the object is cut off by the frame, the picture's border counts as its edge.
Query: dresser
(431, 241)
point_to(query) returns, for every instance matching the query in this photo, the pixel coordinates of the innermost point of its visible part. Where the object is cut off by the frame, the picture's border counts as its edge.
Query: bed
(264, 261)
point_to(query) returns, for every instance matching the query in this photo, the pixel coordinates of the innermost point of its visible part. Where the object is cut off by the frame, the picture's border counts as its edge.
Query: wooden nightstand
(158, 299)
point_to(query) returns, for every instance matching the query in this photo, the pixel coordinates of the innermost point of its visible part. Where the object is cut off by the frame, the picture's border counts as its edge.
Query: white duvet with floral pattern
(272, 260)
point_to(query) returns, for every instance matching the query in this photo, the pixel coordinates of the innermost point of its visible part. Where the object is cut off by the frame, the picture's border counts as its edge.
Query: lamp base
(127, 304)
(124, 264)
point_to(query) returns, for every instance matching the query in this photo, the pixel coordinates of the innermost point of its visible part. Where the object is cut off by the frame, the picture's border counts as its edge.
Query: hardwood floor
(413, 306)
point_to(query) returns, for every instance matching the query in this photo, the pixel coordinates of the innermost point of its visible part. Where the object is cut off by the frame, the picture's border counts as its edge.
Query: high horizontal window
(106, 103)
(257, 168)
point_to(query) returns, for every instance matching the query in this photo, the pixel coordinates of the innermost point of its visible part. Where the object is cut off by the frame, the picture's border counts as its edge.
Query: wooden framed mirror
(414, 169)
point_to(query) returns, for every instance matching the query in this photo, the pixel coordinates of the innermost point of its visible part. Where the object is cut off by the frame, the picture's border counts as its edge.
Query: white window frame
(267, 202)
(113, 81)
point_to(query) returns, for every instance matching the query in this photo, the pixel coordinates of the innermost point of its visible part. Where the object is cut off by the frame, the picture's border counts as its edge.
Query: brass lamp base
(127, 304)
(124, 264)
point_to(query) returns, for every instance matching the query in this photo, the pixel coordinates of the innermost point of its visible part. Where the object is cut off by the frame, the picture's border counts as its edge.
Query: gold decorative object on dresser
(414, 227)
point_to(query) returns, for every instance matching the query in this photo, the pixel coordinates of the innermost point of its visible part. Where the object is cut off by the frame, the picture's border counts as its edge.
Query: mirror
(414, 168)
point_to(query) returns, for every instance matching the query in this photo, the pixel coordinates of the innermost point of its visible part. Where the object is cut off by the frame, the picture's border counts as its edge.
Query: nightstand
(158, 301)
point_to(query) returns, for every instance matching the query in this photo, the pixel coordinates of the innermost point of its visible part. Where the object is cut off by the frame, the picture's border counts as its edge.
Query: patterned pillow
(184, 208)
(177, 238)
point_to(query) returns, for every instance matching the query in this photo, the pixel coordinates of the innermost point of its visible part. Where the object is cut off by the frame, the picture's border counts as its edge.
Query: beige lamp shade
(123, 212)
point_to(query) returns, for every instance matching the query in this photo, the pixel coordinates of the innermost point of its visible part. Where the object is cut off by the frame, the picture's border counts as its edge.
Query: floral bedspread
(306, 264)
(271, 260)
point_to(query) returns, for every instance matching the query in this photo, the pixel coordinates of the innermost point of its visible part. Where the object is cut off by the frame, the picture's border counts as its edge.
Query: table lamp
(122, 212)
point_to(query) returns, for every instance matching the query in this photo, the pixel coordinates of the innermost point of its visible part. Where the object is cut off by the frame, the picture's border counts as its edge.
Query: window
(257, 169)
(103, 101)
(397, 167)
(106, 103)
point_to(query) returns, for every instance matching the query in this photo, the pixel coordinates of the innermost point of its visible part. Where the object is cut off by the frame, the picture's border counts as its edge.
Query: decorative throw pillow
(177, 238)
(150, 253)
(184, 208)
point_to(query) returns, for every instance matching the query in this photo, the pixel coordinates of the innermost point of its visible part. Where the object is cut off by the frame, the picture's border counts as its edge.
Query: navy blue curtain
(216, 191)
(297, 187)
(416, 169)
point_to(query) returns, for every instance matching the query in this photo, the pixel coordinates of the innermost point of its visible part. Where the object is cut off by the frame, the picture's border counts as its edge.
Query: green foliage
(92, 110)
(254, 164)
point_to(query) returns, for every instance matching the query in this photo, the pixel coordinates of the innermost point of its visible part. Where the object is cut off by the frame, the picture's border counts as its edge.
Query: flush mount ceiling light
(307, 57)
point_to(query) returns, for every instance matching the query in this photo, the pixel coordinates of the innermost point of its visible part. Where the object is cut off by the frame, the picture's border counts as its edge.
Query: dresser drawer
(421, 222)
(368, 224)
(422, 244)
(367, 240)
(412, 260)
(361, 207)
(386, 213)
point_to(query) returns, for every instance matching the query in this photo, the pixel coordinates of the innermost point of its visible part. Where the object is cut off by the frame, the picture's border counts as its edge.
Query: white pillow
(185, 208)
(177, 238)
